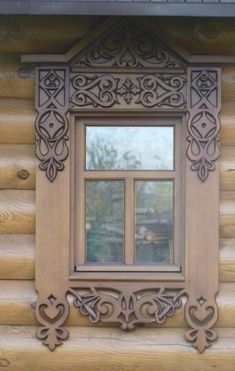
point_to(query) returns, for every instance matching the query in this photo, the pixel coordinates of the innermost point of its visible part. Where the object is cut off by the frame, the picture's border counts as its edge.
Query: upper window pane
(129, 147)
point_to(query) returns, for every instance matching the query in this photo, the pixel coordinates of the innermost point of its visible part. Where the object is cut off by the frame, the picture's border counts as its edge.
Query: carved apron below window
(123, 75)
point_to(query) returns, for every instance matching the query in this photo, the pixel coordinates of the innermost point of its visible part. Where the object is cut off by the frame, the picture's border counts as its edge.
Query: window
(127, 142)
(129, 175)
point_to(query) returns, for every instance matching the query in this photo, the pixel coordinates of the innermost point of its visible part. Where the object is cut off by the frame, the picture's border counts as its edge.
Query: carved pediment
(128, 45)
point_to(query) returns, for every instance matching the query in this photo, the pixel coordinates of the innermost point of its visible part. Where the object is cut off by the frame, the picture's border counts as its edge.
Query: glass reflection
(129, 147)
(154, 221)
(104, 221)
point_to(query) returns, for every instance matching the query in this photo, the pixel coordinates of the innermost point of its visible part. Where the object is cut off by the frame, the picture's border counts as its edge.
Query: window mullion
(129, 221)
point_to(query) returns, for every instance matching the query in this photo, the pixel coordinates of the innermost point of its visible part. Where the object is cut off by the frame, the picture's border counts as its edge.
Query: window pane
(154, 221)
(104, 221)
(129, 147)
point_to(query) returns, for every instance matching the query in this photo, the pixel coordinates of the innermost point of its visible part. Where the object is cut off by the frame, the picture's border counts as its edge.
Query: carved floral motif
(135, 91)
(203, 121)
(128, 46)
(51, 314)
(201, 315)
(52, 121)
(128, 308)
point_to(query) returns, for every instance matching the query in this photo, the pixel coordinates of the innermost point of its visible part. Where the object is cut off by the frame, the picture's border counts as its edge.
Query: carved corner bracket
(51, 312)
(201, 315)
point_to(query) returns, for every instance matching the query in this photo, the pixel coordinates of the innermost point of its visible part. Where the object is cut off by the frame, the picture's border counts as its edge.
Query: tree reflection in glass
(129, 147)
(104, 221)
(154, 221)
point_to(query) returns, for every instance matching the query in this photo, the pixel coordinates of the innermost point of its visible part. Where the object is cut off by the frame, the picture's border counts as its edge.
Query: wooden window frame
(77, 151)
(87, 84)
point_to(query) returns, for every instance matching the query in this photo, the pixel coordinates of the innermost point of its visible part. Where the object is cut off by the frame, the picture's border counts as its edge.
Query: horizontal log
(17, 118)
(17, 298)
(227, 214)
(103, 349)
(17, 166)
(17, 256)
(227, 119)
(17, 211)
(228, 83)
(37, 35)
(16, 79)
(227, 168)
(227, 260)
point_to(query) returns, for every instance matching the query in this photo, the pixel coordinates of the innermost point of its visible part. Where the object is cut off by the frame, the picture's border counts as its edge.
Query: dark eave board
(196, 8)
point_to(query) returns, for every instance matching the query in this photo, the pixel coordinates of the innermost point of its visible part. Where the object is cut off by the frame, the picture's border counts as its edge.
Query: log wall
(94, 347)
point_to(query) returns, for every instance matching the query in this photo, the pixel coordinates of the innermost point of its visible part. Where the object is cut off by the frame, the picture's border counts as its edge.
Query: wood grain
(17, 256)
(227, 119)
(17, 297)
(17, 211)
(228, 83)
(14, 158)
(110, 349)
(17, 118)
(17, 166)
(16, 79)
(227, 169)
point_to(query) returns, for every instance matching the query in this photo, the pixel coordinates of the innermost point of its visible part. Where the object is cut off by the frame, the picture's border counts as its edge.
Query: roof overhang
(196, 8)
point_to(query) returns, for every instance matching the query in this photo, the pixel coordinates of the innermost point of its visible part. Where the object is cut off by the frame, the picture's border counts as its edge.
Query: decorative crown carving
(128, 47)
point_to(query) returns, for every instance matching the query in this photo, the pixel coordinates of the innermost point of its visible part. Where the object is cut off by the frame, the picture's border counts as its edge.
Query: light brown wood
(16, 79)
(162, 349)
(17, 211)
(228, 83)
(227, 169)
(14, 158)
(40, 34)
(227, 214)
(17, 297)
(227, 123)
(17, 118)
(227, 260)
(17, 166)
(17, 256)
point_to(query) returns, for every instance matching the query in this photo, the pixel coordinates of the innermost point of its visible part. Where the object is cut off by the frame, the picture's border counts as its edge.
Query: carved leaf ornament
(127, 70)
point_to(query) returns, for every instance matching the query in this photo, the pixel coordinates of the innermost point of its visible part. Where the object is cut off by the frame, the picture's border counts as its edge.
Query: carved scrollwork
(128, 308)
(51, 313)
(134, 91)
(129, 47)
(201, 315)
(52, 120)
(203, 121)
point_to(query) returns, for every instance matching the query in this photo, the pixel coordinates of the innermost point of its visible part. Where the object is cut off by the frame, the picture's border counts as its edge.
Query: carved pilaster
(203, 101)
(52, 122)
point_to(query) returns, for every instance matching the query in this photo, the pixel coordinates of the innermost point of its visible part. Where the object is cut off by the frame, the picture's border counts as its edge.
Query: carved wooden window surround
(124, 70)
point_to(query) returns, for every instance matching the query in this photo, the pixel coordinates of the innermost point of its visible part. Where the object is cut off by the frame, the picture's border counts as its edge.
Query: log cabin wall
(96, 348)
